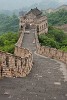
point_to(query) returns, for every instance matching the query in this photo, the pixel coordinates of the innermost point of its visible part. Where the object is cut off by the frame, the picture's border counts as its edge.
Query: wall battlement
(18, 64)
(53, 53)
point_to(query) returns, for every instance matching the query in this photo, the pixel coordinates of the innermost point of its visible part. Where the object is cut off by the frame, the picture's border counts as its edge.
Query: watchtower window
(27, 26)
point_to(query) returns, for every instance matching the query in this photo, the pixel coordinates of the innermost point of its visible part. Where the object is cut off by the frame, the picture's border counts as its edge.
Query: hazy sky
(17, 4)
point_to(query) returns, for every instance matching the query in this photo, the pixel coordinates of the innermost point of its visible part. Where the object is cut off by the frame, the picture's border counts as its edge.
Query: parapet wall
(18, 64)
(52, 53)
(21, 52)
(15, 66)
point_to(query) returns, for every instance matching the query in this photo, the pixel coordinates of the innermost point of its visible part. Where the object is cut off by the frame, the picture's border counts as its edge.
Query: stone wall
(52, 53)
(15, 66)
(18, 64)
(42, 24)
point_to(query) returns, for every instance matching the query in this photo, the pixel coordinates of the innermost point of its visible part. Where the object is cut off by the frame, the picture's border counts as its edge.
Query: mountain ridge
(51, 10)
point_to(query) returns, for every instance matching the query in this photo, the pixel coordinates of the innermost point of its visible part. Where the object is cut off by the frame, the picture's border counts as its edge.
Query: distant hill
(61, 7)
(8, 23)
(46, 4)
(6, 12)
(10, 13)
(63, 27)
(58, 17)
(51, 10)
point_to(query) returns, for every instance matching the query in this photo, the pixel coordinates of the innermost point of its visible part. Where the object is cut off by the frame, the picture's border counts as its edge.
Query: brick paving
(45, 81)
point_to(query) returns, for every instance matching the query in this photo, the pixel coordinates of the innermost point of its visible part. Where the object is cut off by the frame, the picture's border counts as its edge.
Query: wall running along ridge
(51, 52)
(18, 64)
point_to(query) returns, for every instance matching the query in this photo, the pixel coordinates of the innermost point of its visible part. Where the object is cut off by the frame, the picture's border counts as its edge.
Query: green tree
(8, 41)
(58, 17)
(8, 23)
(55, 38)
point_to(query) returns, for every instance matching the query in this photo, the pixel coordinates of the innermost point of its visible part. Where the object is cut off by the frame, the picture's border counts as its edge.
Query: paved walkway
(45, 82)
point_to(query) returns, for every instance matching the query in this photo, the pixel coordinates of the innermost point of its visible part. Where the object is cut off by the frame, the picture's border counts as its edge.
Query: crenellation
(53, 53)
(14, 67)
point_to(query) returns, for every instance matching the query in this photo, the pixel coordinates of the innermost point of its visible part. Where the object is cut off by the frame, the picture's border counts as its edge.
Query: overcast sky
(17, 4)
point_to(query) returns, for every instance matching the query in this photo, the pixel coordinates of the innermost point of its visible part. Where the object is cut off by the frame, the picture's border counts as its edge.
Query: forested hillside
(8, 23)
(7, 42)
(55, 38)
(57, 18)
(9, 26)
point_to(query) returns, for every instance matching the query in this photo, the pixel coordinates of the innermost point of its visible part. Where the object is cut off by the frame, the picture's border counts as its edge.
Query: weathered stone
(53, 53)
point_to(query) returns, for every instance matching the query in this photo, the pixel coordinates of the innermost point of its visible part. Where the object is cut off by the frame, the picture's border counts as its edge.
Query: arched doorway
(27, 26)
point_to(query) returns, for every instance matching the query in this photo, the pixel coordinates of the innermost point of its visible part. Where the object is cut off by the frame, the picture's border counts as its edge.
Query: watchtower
(34, 19)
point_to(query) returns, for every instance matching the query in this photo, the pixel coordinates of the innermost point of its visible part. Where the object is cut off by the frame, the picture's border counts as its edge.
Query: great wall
(44, 77)
(20, 63)
(53, 53)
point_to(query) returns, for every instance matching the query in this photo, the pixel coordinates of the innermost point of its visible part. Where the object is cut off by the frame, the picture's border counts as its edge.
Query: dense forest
(9, 26)
(55, 38)
(7, 42)
(8, 23)
(57, 18)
